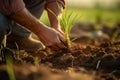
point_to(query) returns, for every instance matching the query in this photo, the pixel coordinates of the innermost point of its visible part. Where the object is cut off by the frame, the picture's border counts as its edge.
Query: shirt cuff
(61, 2)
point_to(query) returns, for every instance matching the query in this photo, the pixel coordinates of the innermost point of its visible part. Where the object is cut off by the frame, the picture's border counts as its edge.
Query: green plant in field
(10, 68)
(67, 21)
(115, 35)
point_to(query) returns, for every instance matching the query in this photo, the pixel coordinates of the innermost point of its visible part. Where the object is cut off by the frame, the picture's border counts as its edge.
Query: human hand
(52, 38)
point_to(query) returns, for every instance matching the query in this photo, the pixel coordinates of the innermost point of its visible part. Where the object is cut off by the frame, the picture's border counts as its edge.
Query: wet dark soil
(86, 59)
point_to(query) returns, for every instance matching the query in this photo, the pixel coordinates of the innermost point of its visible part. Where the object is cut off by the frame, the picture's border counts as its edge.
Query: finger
(61, 46)
(52, 48)
(62, 39)
(63, 42)
(57, 46)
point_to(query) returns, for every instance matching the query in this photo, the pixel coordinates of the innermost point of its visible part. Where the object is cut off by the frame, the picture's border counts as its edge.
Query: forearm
(48, 36)
(25, 19)
(54, 16)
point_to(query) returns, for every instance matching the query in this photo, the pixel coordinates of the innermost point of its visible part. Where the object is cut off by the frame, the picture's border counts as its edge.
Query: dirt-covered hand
(52, 39)
(62, 36)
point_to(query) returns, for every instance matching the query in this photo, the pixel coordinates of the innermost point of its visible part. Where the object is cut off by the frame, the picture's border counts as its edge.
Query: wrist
(39, 28)
(56, 26)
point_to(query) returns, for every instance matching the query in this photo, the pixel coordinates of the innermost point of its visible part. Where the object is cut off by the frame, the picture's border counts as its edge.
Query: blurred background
(99, 17)
(91, 10)
(94, 3)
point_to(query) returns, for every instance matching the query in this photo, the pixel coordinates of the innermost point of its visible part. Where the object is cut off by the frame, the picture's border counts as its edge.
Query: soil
(96, 58)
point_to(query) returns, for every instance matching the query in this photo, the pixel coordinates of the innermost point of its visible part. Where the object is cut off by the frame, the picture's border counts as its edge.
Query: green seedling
(67, 21)
(9, 66)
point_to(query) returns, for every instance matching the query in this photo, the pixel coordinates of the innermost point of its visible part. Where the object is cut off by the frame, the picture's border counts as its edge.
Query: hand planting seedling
(67, 21)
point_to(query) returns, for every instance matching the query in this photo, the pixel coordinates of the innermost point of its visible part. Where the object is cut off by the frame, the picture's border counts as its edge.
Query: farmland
(94, 53)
